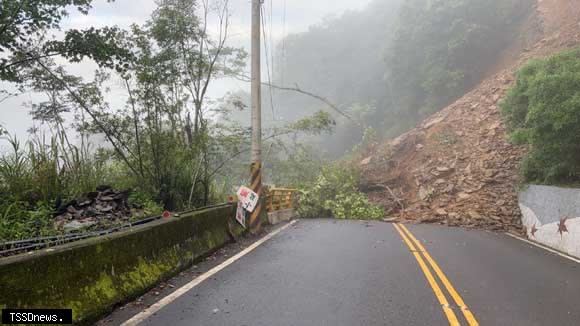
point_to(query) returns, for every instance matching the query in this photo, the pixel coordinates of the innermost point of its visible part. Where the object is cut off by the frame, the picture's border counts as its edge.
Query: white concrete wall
(551, 216)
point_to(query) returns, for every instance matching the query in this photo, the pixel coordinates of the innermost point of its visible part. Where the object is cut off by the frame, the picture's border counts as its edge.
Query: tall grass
(38, 176)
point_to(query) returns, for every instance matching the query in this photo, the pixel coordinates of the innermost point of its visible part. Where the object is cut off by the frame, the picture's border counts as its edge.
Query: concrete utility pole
(256, 167)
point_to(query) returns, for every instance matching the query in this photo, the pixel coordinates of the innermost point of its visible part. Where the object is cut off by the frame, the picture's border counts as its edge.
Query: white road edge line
(533, 243)
(140, 317)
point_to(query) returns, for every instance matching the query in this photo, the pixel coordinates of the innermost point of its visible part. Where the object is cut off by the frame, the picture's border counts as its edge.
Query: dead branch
(297, 89)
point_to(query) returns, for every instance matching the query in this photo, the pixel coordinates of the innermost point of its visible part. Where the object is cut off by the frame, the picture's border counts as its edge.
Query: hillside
(457, 167)
(393, 63)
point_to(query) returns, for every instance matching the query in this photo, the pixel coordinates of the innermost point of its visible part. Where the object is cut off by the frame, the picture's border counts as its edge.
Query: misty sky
(299, 15)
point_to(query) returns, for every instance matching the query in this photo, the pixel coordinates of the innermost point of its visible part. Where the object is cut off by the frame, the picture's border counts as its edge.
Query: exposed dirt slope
(457, 167)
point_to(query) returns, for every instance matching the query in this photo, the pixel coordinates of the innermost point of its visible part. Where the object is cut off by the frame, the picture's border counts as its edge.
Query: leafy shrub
(141, 199)
(542, 110)
(334, 194)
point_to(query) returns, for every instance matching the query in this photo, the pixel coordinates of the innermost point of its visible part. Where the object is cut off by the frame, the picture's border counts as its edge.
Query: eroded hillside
(457, 167)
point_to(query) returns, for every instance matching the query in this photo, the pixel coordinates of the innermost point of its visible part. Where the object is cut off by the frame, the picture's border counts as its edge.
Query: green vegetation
(542, 110)
(334, 193)
(406, 59)
(459, 42)
(384, 67)
(168, 143)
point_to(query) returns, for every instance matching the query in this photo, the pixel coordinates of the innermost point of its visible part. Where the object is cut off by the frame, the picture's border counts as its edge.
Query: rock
(71, 209)
(419, 147)
(123, 195)
(443, 169)
(79, 214)
(475, 215)
(85, 203)
(450, 188)
(77, 225)
(423, 193)
(441, 212)
(104, 209)
(366, 161)
(107, 192)
(463, 196)
(390, 219)
(495, 125)
(106, 198)
(431, 219)
(490, 173)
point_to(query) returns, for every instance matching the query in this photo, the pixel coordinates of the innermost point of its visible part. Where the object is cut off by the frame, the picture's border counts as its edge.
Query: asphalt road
(328, 272)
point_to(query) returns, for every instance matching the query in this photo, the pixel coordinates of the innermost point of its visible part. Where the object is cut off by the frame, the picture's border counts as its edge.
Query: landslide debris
(97, 210)
(457, 167)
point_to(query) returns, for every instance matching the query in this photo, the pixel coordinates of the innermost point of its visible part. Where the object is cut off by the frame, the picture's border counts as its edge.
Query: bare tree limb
(240, 152)
(297, 89)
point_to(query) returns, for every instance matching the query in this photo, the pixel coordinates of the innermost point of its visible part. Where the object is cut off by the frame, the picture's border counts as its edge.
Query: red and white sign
(248, 198)
(241, 214)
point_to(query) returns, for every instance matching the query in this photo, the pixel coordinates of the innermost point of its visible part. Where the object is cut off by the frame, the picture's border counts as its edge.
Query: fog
(386, 64)
(391, 63)
(283, 18)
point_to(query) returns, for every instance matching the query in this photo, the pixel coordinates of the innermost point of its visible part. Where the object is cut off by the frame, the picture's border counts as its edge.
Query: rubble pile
(102, 207)
(458, 167)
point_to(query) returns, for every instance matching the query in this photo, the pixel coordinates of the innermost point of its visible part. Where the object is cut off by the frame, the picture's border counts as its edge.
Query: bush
(542, 110)
(334, 194)
(141, 199)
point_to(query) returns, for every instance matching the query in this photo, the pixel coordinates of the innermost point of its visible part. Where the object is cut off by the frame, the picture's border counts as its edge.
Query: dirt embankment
(457, 167)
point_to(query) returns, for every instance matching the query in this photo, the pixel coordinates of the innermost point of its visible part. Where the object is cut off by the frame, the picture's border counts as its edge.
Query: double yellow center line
(419, 252)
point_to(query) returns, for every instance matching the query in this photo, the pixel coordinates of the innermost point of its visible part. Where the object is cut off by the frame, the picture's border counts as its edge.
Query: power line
(283, 44)
(268, 66)
(273, 48)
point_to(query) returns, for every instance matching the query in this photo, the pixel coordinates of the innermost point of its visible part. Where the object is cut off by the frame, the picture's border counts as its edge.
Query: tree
(178, 61)
(24, 25)
(184, 37)
(406, 58)
(458, 41)
(542, 111)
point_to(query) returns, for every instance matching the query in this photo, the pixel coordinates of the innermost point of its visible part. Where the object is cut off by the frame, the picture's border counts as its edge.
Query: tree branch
(82, 103)
(297, 89)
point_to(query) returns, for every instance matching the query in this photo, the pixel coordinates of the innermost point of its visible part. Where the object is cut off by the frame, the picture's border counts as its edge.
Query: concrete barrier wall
(93, 275)
(551, 216)
(281, 216)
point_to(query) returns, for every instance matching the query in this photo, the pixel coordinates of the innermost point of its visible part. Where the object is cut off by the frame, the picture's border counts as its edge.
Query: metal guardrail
(280, 198)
